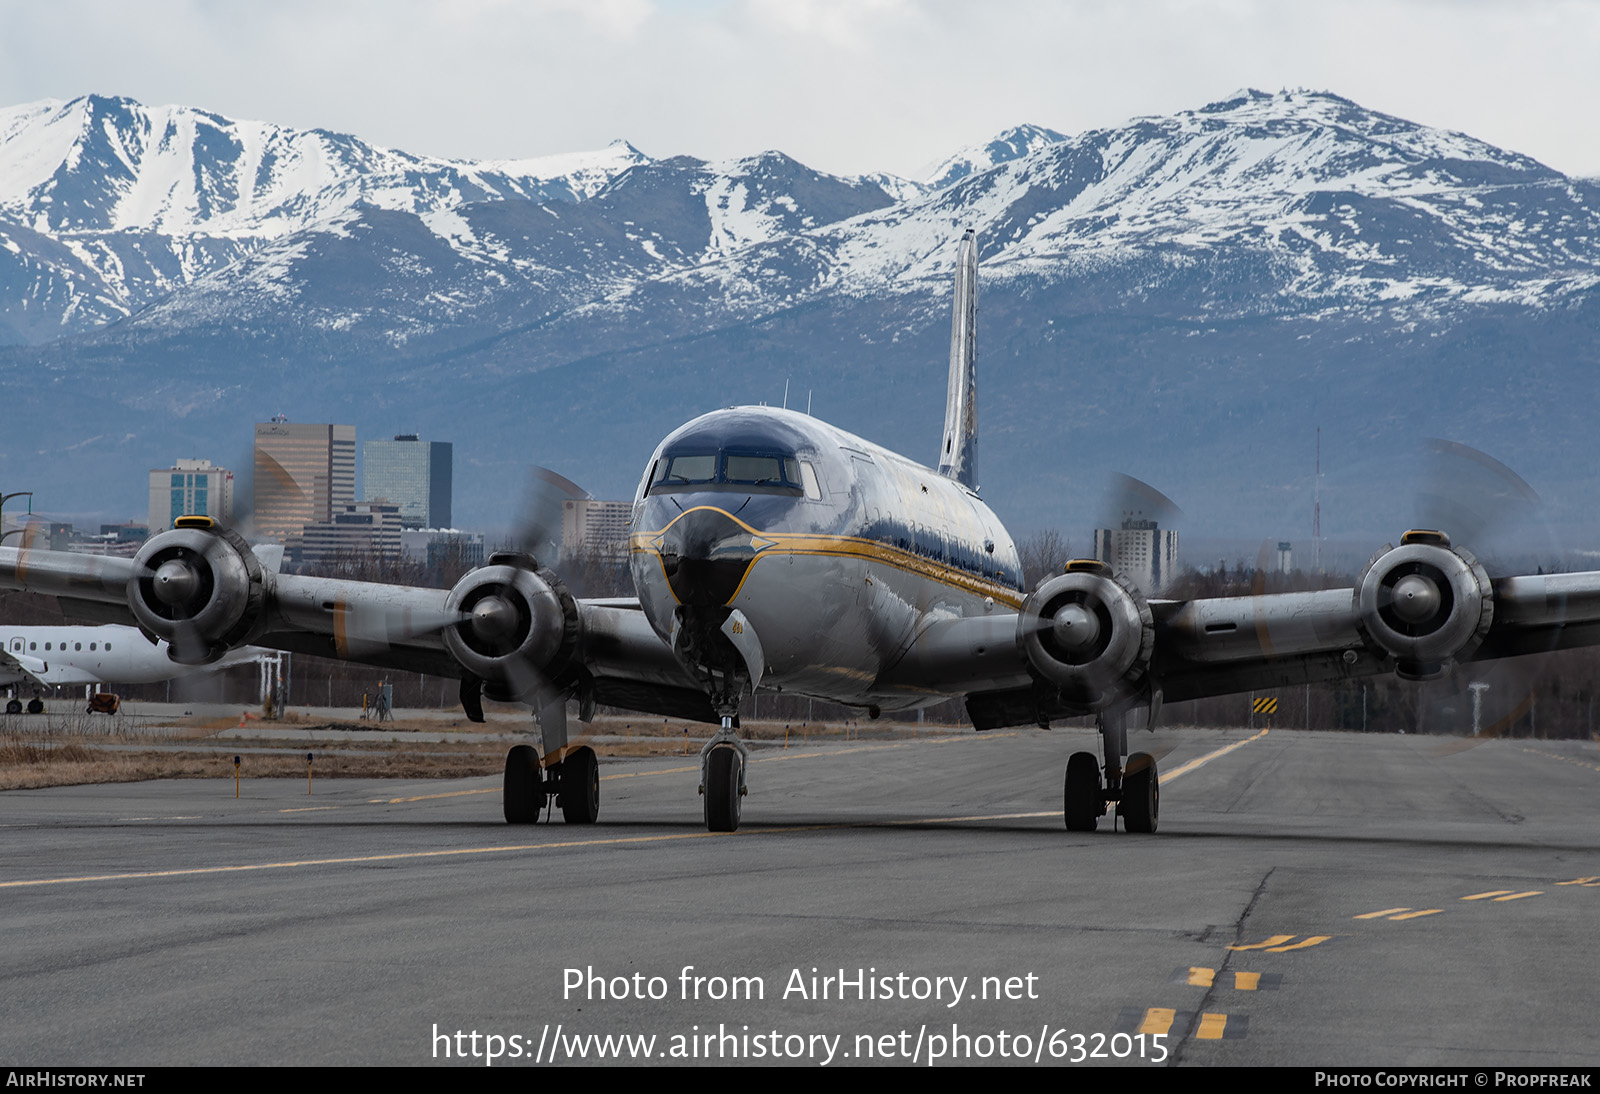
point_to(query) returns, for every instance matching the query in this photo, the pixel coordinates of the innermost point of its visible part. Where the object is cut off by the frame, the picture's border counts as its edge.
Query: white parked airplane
(47, 656)
(773, 552)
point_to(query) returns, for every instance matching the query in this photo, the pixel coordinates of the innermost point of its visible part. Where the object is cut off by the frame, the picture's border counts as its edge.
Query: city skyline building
(304, 472)
(361, 528)
(1140, 550)
(411, 473)
(189, 488)
(589, 525)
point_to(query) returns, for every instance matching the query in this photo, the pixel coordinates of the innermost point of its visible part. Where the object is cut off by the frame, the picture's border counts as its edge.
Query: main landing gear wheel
(722, 790)
(524, 792)
(580, 787)
(1082, 793)
(35, 706)
(14, 706)
(1141, 794)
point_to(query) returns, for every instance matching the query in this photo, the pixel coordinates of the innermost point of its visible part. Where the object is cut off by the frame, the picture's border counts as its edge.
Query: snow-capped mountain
(1202, 278)
(143, 201)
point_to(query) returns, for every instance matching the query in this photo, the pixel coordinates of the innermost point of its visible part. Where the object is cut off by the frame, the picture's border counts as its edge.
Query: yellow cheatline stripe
(1209, 756)
(1157, 1020)
(822, 545)
(1211, 1027)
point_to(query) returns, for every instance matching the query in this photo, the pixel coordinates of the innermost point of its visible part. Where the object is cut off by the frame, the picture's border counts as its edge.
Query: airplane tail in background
(958, 456)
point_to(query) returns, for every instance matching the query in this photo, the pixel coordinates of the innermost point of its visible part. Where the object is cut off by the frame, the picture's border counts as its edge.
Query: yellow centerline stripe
(561, 844)
(1209, 756)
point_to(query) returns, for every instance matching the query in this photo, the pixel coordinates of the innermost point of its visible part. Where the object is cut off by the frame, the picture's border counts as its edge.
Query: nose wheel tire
(580, 787)
(1141, 794)
(1081, 796)
(523, 794)
(722, 790)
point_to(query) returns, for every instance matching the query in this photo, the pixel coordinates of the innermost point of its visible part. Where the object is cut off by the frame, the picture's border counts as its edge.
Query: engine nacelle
(1088, 632)
(521, 628)
(200, 588)
(1425, 602)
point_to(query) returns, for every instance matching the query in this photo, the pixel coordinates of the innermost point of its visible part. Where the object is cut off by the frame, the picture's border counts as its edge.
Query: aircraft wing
(15, 668)
(1086, 641)
(509, 630)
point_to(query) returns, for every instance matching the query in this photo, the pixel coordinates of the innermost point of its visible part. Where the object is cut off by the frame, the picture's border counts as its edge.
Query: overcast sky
(846, 86)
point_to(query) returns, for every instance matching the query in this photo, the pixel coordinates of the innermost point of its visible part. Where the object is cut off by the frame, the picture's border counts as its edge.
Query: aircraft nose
(706, 554)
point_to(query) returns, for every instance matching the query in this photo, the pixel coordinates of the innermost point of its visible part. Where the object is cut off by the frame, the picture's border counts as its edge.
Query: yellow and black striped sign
(1266, 706)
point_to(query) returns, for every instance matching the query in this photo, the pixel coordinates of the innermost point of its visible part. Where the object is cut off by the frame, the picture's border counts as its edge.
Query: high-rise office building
(596, 527)
(189, 488)
(412, 474)
(365, 528)
(303, 473)
(1140, 550)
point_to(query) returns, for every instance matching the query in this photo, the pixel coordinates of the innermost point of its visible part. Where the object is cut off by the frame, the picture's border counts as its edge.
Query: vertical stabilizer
(958, 456)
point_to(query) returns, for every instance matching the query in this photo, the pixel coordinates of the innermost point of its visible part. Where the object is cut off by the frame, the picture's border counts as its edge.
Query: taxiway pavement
(1311, 898)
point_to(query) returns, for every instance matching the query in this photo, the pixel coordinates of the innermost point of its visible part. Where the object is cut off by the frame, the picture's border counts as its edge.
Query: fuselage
(95, 655)
(837, 551)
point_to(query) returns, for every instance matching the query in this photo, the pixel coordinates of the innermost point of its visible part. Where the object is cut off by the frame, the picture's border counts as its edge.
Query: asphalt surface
(1318, 898)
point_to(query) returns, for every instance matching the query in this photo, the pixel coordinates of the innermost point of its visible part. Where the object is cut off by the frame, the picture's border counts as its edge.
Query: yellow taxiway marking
(1211, 1027)
(1275, 940)
(1490, 893)
(1498, 895)
(1418, 914)
(1586, 882)
(1380, 915)
(1519, 896)
(1201, 978)
(1208, 757)
(394, 856)
(1246, 981)
(1205, 978)
(309, 809)
(1312, 940)
(558, 844)
(1157, 1020)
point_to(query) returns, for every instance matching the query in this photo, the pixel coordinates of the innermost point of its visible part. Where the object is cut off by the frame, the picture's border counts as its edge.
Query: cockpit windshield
(759, 472)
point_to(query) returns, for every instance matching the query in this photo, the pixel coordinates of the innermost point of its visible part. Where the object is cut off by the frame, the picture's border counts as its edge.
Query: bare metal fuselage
(838, 577)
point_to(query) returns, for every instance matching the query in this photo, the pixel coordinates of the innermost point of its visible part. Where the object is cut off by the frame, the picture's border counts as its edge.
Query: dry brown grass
(82, 751)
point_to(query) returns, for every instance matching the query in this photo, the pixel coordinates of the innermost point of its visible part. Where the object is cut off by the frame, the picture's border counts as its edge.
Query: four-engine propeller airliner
(773, 552)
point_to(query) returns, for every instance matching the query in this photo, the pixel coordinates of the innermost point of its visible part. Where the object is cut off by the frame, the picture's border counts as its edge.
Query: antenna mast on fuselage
(958, 455)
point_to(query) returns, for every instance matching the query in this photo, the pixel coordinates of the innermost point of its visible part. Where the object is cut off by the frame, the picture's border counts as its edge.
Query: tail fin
(958, 457)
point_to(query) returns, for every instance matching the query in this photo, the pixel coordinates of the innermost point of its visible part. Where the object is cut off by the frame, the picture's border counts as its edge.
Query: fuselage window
(47, 647)
(77, 646)
(93, 646)
(35, 645)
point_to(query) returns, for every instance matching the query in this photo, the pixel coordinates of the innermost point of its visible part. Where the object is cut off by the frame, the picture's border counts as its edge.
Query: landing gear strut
(722, 764)
(1135, 790)
(572, 778)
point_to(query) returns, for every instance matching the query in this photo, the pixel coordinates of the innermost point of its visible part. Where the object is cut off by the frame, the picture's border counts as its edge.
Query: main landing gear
(571, 775)
(1135, 790)
(722, 764)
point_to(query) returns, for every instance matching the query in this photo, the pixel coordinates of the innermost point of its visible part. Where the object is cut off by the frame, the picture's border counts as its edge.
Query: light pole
(1477, 687)
(7, 497)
